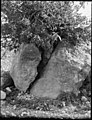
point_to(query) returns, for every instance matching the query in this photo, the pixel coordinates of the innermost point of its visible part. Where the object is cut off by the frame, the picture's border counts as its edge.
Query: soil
(19, 104)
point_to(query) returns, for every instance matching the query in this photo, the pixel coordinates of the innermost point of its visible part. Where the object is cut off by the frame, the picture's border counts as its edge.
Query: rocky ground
(17, 104)
(22, 105)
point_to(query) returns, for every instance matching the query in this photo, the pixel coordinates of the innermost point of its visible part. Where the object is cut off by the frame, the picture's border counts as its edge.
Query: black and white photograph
(45, 59)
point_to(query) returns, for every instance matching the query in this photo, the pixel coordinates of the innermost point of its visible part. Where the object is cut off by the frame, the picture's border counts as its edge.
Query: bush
(42, 23)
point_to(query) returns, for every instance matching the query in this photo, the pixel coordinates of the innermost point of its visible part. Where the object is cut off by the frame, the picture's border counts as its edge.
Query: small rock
(84, 98)
(63, 103)
(3, 95)
(88, 104)
(8, 89)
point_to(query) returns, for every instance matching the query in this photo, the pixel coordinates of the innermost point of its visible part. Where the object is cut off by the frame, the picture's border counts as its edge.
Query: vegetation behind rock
(43, 23)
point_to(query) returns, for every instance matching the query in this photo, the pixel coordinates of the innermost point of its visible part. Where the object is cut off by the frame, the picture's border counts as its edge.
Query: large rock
(62, 72)
(6, 80)
(24, 66)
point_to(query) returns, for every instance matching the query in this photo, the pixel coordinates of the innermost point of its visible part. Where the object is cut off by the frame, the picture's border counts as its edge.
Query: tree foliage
(41, 22)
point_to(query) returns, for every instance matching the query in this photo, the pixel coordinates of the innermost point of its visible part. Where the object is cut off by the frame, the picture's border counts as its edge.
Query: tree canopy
(42, 23)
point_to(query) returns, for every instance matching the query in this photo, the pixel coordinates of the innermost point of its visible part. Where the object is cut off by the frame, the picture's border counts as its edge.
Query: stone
(8, 89)
(84, 98)
(2, 95)
(62, 73)
(24, 66)
(6, 80)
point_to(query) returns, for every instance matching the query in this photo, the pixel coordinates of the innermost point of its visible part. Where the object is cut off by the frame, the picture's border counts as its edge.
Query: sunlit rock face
(24, 66)
(66, 69)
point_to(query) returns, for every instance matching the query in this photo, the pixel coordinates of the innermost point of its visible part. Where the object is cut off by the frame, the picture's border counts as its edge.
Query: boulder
(62, 73)
(24, 66)
(6, 80)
